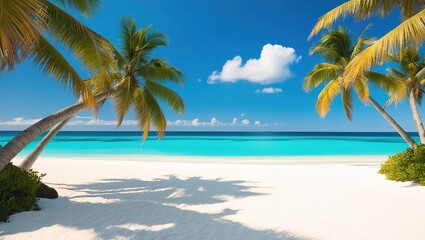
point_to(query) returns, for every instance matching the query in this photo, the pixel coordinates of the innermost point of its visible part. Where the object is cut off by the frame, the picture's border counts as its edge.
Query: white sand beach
(326, 198)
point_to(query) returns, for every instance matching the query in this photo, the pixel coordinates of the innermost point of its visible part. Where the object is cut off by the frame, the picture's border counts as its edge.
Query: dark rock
(45, 191)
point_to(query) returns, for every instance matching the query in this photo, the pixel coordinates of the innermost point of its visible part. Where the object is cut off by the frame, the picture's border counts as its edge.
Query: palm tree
(137, 83)
(28, 27)
(410, 76)
(338, 50)
(410, 31)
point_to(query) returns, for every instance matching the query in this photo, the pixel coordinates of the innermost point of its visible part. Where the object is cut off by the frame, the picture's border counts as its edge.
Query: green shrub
(17, 191)
(406, 166)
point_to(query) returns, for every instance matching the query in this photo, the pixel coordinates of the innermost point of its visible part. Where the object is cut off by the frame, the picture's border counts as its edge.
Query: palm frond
(393, 99)
(410, 7)
(53, 63)
(128, 41)
(419, 93)
(361, 42)
(362, 89)
(347, 101)
(93, 50)
(159, 70)
(329, 53)
(172, 98)
(98, 84)
(326, 97)
(396, 73)
(390, 84)
(157, 117)
(410, 31)
(85, 7)
(123, 98)
(358, 8)
(141, 112)
(334, 46)
(321, 73)
(21, 23)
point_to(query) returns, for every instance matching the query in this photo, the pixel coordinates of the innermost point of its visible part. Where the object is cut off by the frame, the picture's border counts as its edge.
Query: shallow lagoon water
(219, 144)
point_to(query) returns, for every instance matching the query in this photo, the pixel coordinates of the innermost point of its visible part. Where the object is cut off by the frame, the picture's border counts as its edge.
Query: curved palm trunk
(417, 117)
(14, 146)
(30, 159)
(393, 123)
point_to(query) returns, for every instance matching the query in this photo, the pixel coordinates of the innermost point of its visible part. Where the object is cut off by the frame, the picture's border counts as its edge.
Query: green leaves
(85, 7)
(141, 85)
(23, 29)
(93, 50)
(338, 50)
(123, 98)
(326, 96)
(21, 23)
(322, 72)
(169, 96)
(53, 63)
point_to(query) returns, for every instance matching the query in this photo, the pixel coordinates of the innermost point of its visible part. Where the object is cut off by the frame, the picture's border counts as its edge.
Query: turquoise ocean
(219, 144)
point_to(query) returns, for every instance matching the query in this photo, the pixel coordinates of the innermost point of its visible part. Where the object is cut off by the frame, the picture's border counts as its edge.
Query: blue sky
(264, 95)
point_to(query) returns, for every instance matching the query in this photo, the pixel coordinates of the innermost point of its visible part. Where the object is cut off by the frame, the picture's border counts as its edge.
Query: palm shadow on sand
(138, 209)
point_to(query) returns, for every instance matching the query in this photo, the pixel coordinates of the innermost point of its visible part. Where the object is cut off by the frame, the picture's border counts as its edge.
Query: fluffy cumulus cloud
(195, 122)
(90, 121)
(272, 67)
(77, 121)
(214, 122)
(269, 90)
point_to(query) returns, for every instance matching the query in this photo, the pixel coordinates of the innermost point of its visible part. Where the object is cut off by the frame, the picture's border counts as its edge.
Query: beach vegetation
(406, 166)
(411, 30)
(338, 50)
(18, 190)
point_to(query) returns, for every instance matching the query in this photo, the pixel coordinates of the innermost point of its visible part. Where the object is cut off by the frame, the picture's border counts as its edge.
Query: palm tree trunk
(30, 159)
(14, 146)
(393, 123)
(417, 117)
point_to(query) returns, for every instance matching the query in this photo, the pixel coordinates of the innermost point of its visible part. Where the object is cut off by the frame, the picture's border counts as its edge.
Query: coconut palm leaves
(410, 31)
(27, 27)
(140, 78)
(136, 83)
(338, 50)
(408, 81)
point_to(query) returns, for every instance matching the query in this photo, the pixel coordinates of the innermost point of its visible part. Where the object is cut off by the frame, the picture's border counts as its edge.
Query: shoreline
(254, 160)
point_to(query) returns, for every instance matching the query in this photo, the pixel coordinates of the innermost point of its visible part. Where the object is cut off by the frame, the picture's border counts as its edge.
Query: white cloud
(83, 117)
(20, 121)
(269, 90)
(195, 122)
(271, 67)
(243, 114)
(214, 121)
(246, 122)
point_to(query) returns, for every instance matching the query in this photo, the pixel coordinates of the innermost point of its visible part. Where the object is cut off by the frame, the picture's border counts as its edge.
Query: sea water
(218, 143)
